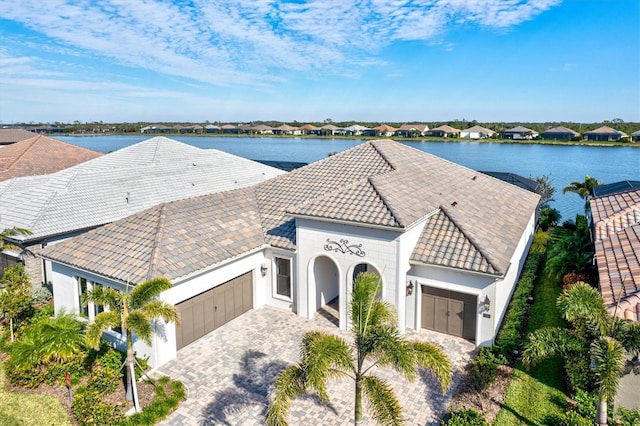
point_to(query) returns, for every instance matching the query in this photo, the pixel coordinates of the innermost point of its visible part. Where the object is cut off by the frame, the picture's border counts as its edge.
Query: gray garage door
(449, 312)
(209, 310)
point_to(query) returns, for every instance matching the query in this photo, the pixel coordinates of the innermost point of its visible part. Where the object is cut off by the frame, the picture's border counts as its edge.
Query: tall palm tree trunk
(358, 407)
(602, 412)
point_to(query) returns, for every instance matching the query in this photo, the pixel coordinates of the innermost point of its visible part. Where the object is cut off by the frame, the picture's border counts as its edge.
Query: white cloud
(248, 43)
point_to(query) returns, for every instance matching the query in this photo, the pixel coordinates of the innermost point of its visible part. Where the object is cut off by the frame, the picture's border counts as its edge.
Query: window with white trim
(83, 287)
(283, 277)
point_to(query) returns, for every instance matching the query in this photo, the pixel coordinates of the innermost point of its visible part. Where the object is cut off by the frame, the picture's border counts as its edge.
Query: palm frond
(583, 305)
(631, 338)
(147, 291)
(608, 361)
(140, 324)
(324, 356)
(388, 348)
(289, 384)
(12, 232)
(158, 309)
(550, 341)
(432, 358)
(106, 296)
(365, 288)
(26, 351)
(61, 337)
(382, 401)
(102, 322)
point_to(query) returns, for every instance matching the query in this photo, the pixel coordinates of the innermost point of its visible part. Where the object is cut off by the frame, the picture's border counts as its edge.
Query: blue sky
(308, 60)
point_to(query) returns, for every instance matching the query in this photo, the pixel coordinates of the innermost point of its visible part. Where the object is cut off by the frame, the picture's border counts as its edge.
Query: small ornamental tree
(15, 295)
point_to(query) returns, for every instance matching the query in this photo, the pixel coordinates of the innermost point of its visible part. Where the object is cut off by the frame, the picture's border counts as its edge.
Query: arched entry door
(327, 280)
(364, 267)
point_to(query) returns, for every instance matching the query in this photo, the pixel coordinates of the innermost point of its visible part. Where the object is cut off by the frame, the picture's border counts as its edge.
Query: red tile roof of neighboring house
(8, 136)
(385, 128)
(616, 225)
(40, 155)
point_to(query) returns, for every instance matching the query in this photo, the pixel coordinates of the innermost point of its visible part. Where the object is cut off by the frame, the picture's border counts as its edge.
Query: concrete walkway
(229, 374)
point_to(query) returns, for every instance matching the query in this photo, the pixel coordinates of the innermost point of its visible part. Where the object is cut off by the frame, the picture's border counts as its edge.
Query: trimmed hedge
(509, 337)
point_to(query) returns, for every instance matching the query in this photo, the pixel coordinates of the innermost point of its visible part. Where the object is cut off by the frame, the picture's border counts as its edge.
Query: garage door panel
(449, 312)
(440, 314)
(428, 306)
(207, 311)
(455, 316)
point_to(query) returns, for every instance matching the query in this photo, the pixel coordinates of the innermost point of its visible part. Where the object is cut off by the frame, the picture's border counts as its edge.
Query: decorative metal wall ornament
(344, 247)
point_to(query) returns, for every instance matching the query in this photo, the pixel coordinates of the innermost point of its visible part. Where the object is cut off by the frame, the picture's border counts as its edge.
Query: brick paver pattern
(230, 372)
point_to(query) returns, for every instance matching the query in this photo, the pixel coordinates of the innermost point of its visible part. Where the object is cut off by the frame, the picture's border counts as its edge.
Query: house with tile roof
(476, 132)
(444, 131)
(635, 136)
(412, 130)
(559, 133)
(604, 133)
(448, 243)
(519, 133)
(110, 187)
(40, 155)
(9, 136)
(615, 221)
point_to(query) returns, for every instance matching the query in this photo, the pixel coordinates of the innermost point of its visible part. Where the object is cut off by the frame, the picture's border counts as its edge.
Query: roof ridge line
(35, 139)
(155, 251)
(385, 202)
(471, 240)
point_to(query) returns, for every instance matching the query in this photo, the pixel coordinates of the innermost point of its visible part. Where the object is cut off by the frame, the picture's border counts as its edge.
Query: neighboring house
(412, 130)
(519, 133)
(156, 128)
(9, 136)
(59, 205)
(615, 221)
(285, 129)
(40, 155)
(635, 136)
(310, 129)
(448, 243)
(262, 129)
(604, 133)
(444, 131)
(329, 130)
(211, 128)
(229, 128)
(514, 179)
(615, 187)
(476, 132)
(354, 130)
(560, 133)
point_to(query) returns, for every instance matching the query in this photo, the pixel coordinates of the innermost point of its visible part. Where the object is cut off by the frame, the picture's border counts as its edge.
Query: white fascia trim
(484, 274)
(86, 271)
(227, 261)
(12, 253)
(349, 223)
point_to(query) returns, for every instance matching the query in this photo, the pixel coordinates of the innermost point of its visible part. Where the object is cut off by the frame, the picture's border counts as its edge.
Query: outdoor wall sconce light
(409, 288)
(264, 269)
(486, 304)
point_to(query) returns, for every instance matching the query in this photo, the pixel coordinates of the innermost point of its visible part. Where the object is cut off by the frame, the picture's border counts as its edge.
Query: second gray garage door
(207, 311)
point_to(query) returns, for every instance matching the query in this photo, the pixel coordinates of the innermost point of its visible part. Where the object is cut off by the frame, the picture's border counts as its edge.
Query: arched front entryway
(364, 267)
(327, 288)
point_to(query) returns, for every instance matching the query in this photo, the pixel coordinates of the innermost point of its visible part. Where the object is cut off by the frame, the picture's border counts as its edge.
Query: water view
(563, 163)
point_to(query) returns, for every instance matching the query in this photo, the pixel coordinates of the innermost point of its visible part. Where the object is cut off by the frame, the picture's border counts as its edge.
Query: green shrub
(89, 409)
(627, 417)
(54, 372)
(466, 417)
(26, 377)
(484, 368)
(510, 335)
(579, 375)
(540, 241)
(41, 294)
(163, 403)
(586, 404)
(106, 372)
(572, 418)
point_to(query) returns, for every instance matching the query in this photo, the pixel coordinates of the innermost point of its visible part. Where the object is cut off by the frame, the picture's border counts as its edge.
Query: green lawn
(536, 395)
(27, 409)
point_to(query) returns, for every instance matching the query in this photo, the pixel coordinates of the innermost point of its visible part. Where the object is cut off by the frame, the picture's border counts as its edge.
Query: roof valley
(157, 242)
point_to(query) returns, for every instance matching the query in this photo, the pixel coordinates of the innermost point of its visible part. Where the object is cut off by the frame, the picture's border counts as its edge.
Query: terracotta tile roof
(40, 155)
(443, 243)
(446, 128)
(381, 183)
(418, 127)
(385, 128)
(8, 136)
(605, 130)
(616, 224)
(171, 240)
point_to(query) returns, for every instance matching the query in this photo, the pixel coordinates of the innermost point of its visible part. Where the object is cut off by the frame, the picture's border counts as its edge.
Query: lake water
(564, 164)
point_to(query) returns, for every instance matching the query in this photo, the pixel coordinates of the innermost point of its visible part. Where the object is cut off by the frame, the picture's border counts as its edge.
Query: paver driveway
(230, 371)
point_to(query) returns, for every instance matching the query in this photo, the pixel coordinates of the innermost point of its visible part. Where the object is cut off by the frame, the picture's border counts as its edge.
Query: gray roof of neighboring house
(514, 179)
(616, 225)
(561, 130)
(479, 129)
(519, 129)
(615, 187)
(445, 128)
(636, 133)
(8, 136)
(378, 183)
(121, 183)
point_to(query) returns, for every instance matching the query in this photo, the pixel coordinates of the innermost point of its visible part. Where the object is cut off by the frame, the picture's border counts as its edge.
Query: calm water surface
(564, 164)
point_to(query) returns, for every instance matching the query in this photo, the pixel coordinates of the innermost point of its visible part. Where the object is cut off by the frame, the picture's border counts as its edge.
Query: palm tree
(376, 342)
(583, 189)
(604, 338)
(12, 232)
(132, 310)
